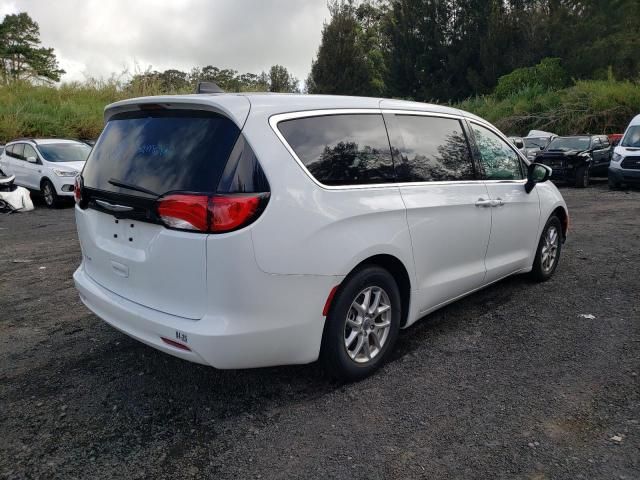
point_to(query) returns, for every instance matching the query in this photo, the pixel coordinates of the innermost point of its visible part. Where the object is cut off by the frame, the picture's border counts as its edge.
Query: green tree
(21, 55)
(349, 60)
(280, 80)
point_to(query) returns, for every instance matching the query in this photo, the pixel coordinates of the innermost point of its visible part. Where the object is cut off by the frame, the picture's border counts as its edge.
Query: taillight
(210, 213)
(77, 189)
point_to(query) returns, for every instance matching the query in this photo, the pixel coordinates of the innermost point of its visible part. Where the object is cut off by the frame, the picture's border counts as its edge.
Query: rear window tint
(431, 149)
(349, 149)
(161, 151)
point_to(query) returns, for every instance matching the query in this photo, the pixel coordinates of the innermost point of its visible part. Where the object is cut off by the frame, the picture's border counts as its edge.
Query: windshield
(535, 142)
(632, 137)
(64, 152)
(569, 143)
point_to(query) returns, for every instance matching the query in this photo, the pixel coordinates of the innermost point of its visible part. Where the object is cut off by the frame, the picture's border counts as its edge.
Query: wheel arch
(399, 272)
(563, 215)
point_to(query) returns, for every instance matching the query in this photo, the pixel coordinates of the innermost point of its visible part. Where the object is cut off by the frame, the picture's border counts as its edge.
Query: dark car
(575, 159)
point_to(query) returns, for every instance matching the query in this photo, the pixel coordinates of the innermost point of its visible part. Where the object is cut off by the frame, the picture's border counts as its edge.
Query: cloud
(98, 38)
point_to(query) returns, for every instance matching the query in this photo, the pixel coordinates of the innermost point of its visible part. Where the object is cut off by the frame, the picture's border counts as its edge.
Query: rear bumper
(280, 336)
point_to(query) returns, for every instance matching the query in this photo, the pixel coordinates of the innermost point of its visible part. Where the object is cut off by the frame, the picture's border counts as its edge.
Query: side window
(348, 149)
(29, 152)
(430, 149)
(605, 142)
(9, 150)
(596, 143)
(18, 149)
(500, 162)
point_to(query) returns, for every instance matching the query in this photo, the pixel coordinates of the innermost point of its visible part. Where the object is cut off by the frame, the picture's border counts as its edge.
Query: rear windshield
(65, 152)
(161, 151)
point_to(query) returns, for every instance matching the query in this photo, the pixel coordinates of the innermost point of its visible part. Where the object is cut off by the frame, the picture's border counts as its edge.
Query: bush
(547, 75)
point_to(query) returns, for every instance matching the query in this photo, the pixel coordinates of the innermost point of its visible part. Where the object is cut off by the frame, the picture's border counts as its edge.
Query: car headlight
(616, 157)
(65, 173)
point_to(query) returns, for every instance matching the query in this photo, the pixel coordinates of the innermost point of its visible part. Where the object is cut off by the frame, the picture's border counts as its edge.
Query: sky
(98, 38)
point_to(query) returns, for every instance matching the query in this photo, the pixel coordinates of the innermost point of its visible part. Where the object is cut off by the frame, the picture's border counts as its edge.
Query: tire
(613, 185)
(542, 269)
(49, 194)
(582, 177)
(349, 349)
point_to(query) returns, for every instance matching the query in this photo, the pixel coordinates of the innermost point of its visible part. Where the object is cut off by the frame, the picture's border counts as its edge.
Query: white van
(249, 230)
(625, 162)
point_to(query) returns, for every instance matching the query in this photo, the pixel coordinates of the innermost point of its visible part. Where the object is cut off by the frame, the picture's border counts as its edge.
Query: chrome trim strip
(113, 207)
(274, 120)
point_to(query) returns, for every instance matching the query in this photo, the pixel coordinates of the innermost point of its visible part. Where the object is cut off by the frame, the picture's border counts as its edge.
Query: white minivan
(45, 165)
(250, 230)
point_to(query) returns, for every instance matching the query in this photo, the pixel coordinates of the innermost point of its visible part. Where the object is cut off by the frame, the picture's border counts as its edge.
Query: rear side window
(17, 151)
(161, 151)
(29, 152)
(349, 149)
(430, 149)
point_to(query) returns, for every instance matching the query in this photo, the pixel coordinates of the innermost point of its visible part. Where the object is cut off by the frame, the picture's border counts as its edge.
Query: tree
(280, 80)
(21, 56)
(349, 60)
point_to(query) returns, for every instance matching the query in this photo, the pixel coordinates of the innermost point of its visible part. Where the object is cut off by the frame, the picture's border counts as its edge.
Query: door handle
(497, 202)
(481, 202)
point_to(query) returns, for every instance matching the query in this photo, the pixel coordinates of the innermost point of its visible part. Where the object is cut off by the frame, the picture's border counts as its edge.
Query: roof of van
(237, 105)
(635, 120)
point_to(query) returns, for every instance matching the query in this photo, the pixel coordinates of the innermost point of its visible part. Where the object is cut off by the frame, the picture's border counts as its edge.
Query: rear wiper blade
(117, 183)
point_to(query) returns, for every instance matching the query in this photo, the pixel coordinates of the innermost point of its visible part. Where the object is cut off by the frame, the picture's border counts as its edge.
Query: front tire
(582, 177)
(362, 325)
(549, 249)
(613, 185)
(49, 194)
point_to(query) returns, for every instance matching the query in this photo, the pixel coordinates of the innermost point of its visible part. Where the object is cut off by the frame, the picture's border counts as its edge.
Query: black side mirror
(518, 143)
(536, 173)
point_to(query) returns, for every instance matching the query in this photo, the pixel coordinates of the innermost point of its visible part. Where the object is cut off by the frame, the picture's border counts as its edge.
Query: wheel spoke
(380, 310)
(376, 302)
(349, 341)
(376, 340)
(366, 347)
(354, 323)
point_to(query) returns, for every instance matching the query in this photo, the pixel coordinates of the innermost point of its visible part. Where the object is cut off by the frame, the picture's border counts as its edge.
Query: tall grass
(75, 110)
(590, 106)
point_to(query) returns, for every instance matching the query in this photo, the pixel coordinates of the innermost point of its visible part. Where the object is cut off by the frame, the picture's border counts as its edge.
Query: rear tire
(362, 325)
(549, 250)
(49, 194)
(582, 177)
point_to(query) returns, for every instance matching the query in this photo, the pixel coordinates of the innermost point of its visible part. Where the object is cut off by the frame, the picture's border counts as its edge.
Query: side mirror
(32, 160)
(519, 144)
(536, 173)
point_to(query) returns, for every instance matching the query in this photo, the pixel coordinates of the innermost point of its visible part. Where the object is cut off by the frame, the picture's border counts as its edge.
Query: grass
(75, 110)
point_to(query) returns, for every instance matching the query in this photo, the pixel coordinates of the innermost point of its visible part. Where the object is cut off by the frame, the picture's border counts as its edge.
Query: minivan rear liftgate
(158, 182)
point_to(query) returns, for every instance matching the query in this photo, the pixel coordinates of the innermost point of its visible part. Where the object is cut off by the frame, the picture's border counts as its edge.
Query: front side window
(499, 160)
(632, 137)
(431, 149)
(29, 152)
(345, 149)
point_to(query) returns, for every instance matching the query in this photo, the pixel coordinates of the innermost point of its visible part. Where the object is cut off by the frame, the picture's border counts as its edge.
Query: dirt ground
(511, 382)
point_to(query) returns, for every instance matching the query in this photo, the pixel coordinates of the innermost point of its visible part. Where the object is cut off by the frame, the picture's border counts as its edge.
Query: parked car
(536, 141)
(518, 142)
(575, 159)
(625, 163)
(253, 230)
(614, 138)
(45, 165)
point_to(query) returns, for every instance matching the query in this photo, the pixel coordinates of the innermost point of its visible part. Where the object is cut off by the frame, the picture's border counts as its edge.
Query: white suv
(254, 230)
(47, 165)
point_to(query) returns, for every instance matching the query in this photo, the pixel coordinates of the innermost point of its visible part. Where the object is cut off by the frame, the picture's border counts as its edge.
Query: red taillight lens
(213, 214)
(186, 212)
(230, 212)
(77, 189)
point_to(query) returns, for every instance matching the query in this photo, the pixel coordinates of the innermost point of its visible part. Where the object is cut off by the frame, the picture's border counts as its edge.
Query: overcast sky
(99, 37)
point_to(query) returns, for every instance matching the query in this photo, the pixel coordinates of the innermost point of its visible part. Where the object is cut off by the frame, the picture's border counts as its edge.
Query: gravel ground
(511, 382)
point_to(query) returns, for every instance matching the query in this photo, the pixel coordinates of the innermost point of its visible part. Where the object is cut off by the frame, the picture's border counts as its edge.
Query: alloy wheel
(550, 249)
(367, 324)
(48, 194)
